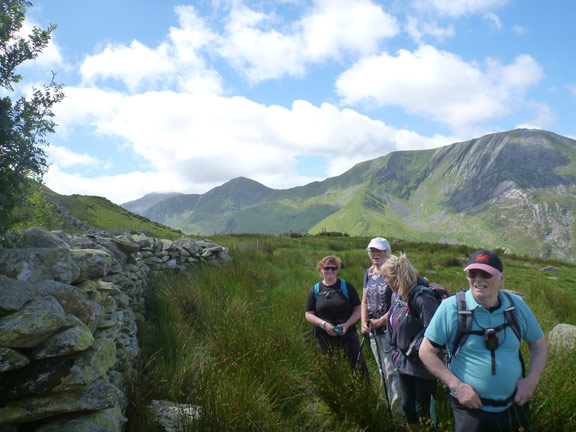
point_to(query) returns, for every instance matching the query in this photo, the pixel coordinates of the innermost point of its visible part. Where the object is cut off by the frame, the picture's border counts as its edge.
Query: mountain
(141, 204)
(514, 190)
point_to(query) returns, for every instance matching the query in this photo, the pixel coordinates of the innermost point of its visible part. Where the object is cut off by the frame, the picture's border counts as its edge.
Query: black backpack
(440, 293)
(466, 317)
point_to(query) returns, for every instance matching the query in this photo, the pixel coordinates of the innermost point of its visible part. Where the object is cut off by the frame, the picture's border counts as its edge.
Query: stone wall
(69, 307)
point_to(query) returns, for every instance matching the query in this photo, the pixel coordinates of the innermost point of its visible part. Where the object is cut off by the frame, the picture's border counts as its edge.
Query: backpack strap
(464, 322)
(512, 316)
(465, 317)
(343, 287)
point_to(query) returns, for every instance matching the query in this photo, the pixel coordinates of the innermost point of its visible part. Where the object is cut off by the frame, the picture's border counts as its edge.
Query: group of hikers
(470, 341)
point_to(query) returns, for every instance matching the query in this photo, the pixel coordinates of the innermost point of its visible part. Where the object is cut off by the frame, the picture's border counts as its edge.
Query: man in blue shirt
(485, 378)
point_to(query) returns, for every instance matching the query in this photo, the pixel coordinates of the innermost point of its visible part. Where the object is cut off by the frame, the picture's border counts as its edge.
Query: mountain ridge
(514, 190)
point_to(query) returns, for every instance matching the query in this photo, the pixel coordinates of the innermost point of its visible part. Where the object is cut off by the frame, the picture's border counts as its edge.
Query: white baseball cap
(380, 244)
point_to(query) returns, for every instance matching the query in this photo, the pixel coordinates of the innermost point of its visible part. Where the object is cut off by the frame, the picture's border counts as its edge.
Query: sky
(183, 96)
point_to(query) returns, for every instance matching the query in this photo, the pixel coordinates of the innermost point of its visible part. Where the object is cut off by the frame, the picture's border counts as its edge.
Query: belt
(498, 402)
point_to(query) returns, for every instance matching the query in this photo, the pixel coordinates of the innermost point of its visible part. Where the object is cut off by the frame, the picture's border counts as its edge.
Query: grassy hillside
(101, 213)
(233, 339)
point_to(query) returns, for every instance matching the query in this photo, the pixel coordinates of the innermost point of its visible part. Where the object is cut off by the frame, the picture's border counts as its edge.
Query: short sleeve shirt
(472, 363)
(332, 305)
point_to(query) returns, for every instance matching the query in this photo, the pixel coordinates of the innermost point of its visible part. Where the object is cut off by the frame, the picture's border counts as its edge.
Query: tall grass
(233, 340)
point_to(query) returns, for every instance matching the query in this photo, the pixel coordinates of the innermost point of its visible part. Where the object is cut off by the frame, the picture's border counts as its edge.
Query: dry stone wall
(69, 307)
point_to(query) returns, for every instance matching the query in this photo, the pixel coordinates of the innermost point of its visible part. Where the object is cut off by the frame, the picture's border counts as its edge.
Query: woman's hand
(328, 329)
(366, 327)
(379, 322)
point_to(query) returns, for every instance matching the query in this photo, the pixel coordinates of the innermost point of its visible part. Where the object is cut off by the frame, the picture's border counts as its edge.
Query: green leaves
(25, 122)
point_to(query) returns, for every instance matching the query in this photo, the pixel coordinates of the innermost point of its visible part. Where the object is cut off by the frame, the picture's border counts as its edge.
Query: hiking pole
(359, 355)
(382, 374)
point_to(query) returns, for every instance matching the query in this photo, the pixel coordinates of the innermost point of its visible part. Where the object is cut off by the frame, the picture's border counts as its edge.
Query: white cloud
(331, 30)
(418, 29)
(520, 30)
(457, 8)
(545, 116)
(494, 19)
(178, 61)
(440, 85)
(66, 158)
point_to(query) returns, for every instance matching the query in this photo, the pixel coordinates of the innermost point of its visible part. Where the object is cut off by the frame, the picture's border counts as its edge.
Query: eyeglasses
(330, 268)
(475, 272)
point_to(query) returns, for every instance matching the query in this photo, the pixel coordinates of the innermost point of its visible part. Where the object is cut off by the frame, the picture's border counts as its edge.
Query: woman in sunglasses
(333, 308)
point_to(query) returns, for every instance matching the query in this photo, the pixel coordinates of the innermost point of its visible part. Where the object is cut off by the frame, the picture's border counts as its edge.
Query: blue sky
(166, 96)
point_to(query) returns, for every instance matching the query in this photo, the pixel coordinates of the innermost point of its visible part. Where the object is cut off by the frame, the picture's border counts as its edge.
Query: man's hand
(524, 390)
(467, 396)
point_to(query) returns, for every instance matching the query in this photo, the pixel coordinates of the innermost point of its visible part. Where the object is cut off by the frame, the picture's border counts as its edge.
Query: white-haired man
(488, 389)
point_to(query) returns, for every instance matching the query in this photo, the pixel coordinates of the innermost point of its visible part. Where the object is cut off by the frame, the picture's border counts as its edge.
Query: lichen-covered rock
(14, 294)
(98, 396)
(37, 264)
(31, 325)
(11, 359)
(37, 237)
(69, 341)
(172, 416)
(108, 420)
(71, 298)
(562, 337)
(93, 263)
(90, 364)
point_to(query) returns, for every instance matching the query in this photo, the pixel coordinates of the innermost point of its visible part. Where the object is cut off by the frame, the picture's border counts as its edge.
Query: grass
(233, 340)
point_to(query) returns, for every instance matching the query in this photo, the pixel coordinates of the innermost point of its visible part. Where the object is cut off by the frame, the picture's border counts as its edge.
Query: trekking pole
(382, 374)
(359, 355)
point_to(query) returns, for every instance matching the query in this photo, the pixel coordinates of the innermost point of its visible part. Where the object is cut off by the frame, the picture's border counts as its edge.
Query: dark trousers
(416, 396)
(348, 342)
(509, 420)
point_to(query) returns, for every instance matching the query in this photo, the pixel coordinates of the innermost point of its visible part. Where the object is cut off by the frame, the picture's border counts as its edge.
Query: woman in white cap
(377, 297)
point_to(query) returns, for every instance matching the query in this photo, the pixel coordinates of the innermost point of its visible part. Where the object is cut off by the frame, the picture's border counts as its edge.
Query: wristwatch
(323, 325)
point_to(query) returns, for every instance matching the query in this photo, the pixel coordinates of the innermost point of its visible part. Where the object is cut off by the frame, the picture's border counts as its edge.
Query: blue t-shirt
(472, 364)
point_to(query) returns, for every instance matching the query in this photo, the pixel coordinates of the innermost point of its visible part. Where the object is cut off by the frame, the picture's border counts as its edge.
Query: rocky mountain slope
(514, 190)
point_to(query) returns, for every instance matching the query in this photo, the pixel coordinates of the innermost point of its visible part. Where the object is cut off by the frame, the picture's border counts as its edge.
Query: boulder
(69, 341)
(93, 263)
(11, 359)
(72, 299)
(562, 337)
(98, 396)
(14, 294)
(31, 325)
(40, 238)
(37, 264)
(108, 420)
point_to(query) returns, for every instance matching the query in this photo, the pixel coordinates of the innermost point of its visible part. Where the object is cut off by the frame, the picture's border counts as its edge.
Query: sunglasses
(330, 268)
(475, 272)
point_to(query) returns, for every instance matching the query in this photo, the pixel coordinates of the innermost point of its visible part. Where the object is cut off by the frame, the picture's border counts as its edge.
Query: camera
(491, 339)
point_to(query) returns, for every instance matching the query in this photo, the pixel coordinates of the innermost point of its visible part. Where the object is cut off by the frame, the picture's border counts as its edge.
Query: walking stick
(382, 374)
(359, 355)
